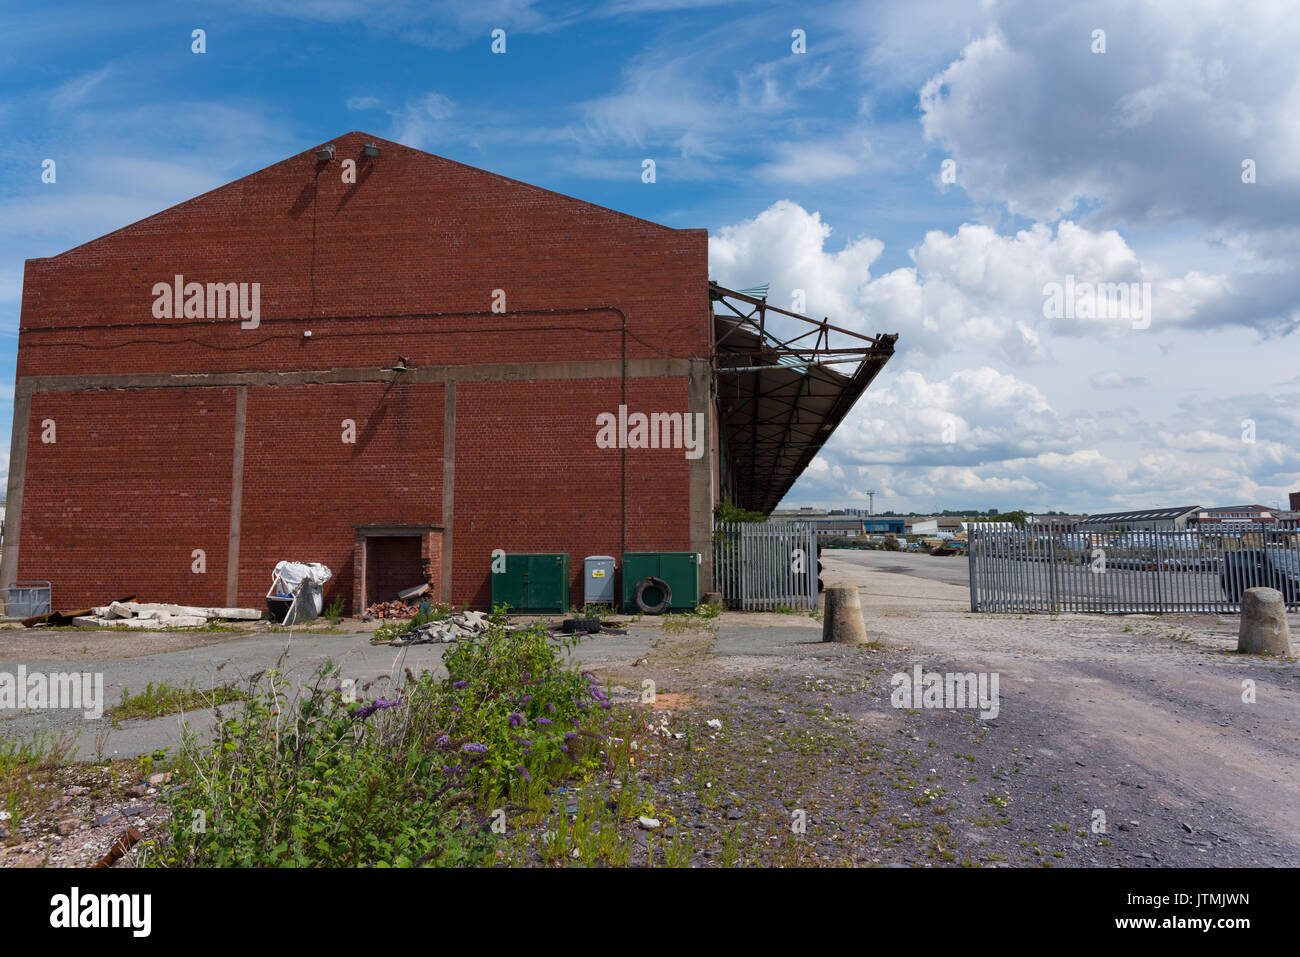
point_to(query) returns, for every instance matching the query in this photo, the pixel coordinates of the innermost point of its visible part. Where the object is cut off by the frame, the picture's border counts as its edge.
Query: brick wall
(416, 234)
(305, 489)
(132, 484)
(530, 477)
(140, 478)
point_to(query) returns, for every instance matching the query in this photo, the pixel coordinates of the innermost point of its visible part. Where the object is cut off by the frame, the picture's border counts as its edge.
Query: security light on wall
(371, 150)
(400, 367)
(325, 153)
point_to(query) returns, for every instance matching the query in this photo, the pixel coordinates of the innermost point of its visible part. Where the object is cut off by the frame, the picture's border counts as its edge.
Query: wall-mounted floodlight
(325, 153)
(400, 367)
(371, 150)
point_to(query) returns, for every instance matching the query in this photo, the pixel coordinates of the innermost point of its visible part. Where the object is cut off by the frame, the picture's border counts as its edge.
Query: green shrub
(313, 779)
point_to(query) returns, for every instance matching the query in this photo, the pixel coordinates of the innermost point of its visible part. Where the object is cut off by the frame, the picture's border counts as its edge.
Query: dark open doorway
(392, 558)
(393, 564)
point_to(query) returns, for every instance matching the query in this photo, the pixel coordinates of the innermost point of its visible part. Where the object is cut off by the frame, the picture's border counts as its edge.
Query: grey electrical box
(598, 575)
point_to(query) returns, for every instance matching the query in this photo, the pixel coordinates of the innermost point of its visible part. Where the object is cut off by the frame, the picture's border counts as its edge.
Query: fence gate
(1060, 567)
(762, 565)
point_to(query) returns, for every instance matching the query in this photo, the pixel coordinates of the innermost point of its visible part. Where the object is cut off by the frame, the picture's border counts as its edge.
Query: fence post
(1053, 583)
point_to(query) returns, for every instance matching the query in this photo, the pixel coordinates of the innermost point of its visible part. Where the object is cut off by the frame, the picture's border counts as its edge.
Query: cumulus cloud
(1189, 101)
(970, 289)
(1038, 121)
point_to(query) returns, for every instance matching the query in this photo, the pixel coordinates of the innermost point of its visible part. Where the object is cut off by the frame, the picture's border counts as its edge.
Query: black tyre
(652, 595)
(581, 625)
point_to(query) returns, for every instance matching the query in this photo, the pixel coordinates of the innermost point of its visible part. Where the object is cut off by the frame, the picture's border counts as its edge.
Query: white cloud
(1117, 380)
(418, 123)
(971, 289)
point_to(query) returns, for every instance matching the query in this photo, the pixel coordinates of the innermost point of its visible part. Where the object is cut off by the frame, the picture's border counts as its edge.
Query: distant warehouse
(395, 364)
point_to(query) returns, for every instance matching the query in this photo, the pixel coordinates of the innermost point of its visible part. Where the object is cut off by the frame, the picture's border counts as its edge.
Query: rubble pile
(391, 609)
(134, 614)
(456, 627)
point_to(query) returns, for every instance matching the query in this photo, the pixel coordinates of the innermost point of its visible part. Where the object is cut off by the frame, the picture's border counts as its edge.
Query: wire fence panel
(760, 566)
(1063, 567)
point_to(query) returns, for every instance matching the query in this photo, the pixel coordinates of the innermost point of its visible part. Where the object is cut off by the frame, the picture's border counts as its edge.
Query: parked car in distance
(1260, 568)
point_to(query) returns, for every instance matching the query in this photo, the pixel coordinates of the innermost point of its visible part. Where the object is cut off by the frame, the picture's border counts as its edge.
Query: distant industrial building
(884, 526)
(933, 525)
(1236, 514)
(1143, 520)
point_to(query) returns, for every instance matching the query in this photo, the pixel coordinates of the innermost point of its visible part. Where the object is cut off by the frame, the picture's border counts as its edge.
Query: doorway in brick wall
(392, 558)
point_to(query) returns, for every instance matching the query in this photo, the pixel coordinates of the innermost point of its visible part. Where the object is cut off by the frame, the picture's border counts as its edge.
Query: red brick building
(414, 380)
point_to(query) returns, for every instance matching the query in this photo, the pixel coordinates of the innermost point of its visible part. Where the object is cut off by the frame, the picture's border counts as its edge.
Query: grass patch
(26, 769)
(163, 699)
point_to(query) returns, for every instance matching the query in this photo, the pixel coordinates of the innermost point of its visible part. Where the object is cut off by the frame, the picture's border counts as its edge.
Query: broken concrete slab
(176, 621)
(119, 610)
(166, 609)
(235, 614)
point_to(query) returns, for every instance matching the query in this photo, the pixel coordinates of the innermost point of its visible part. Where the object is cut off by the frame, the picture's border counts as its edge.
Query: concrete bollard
(1264, 629)
(711, 598)
(842, 619)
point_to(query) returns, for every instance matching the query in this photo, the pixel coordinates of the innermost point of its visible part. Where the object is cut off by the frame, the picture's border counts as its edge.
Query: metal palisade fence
(765, 565)
(1059, 567)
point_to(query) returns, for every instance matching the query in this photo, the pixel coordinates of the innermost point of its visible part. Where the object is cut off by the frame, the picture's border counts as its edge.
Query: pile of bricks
(391, 609)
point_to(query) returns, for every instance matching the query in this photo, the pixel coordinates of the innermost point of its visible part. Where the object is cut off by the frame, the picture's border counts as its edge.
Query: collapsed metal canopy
(779, 400)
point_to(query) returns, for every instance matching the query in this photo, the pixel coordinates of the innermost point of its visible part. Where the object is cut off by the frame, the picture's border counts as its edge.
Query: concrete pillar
(1264, 629)
(700, 470)
(842, 621)
(236, 497)
(14, 499)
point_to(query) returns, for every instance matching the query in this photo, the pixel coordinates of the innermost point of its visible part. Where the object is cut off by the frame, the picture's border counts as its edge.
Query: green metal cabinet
(680, 570)
(534, 583)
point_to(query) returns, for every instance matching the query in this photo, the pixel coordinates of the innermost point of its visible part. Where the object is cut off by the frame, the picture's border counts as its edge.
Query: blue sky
(818, 171)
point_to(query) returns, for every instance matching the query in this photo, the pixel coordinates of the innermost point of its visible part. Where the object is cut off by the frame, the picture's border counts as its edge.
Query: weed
(163, 699)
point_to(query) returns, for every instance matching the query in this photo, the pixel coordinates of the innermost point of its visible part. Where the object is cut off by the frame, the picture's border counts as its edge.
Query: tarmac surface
(953, 569)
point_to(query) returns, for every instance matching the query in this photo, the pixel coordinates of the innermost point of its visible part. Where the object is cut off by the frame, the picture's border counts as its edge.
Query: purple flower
(443, 740)
(524, 771)
(545, 721)
(523, 741)
(367, 710)
(550, 706)
(570, 735)
(460, 684)
(457, 708)
(475, 748)
(525, 699)
(516, 719)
